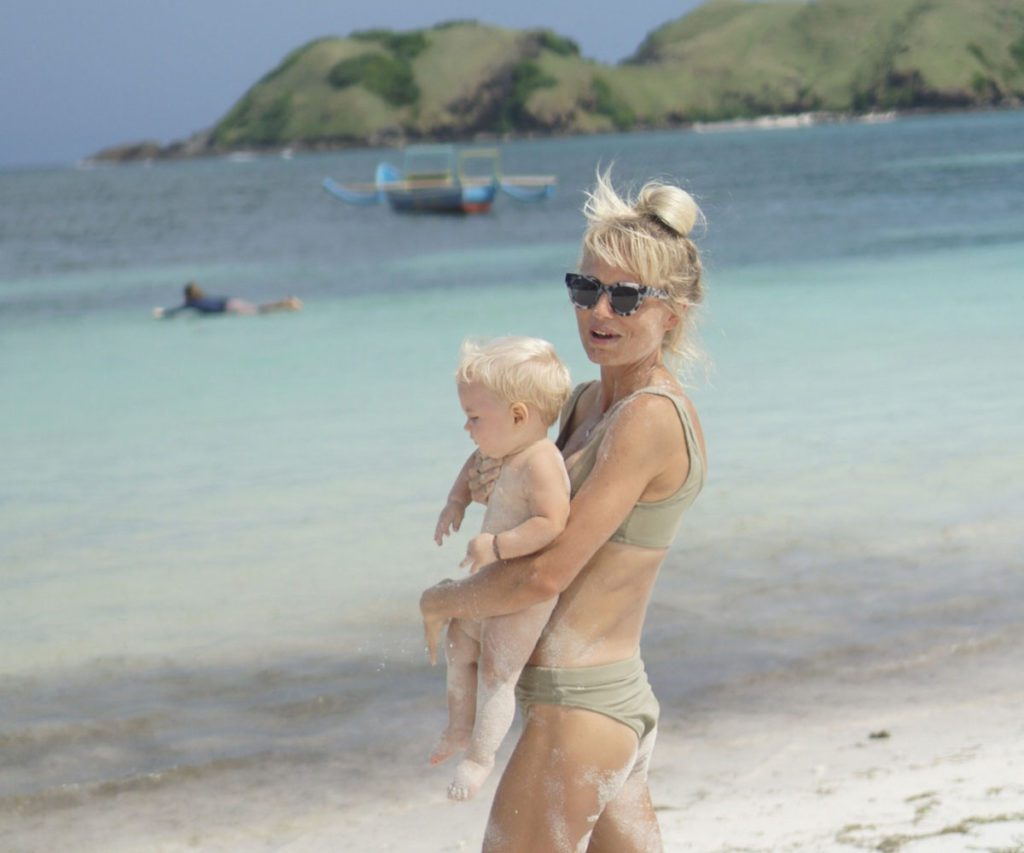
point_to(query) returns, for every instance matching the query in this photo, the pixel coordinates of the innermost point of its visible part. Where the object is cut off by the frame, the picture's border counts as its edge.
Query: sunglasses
(624, 297)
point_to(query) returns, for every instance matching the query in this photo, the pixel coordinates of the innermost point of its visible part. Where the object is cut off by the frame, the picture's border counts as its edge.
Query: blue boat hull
(441, 185)
(454, 199)
(412, 196)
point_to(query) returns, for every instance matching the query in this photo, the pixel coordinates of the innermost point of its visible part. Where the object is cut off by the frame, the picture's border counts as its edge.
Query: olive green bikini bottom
(619, 690)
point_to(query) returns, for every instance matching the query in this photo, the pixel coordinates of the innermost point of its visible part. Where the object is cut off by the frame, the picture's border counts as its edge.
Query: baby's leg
(461, 654)
(506, 643)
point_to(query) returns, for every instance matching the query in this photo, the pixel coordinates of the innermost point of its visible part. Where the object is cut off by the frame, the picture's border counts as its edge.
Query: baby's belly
(504, 515)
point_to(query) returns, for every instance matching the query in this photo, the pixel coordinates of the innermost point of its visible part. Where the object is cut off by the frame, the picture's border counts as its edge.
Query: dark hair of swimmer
(193, 291)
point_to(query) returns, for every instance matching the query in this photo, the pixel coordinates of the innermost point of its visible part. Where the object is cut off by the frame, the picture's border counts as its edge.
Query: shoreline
(194, 147)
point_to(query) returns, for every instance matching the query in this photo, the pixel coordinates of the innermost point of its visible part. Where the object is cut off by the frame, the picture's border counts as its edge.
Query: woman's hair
(193, 291)
(649, 236)
(518, 370)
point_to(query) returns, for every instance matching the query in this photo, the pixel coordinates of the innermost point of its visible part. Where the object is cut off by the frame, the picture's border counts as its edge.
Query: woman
(577, 779)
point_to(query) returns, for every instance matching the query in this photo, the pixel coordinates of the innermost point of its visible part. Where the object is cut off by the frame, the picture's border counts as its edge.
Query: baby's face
(489, 420)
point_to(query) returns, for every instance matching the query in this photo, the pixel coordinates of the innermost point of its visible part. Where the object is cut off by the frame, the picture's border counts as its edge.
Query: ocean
(214, 531)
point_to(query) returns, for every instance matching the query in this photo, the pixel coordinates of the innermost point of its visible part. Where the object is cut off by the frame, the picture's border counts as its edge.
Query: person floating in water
(197, 300)
(512, 390)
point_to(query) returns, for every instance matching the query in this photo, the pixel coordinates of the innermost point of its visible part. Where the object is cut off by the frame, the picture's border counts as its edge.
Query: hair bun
(673, 207)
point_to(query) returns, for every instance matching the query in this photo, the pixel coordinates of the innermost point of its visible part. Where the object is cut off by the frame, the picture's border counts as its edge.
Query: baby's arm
(458, 499)
(547, 486)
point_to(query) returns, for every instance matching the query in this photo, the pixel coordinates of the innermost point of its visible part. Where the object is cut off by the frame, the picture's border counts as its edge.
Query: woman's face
(610, 339)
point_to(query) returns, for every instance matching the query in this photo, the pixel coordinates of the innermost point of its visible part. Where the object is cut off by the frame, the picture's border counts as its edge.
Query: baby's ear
(520, 413)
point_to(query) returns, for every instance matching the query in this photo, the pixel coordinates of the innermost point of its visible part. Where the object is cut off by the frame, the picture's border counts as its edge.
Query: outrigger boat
(441, 179)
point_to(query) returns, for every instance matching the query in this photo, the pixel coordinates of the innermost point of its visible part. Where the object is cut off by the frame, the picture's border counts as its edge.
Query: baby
(512, 390)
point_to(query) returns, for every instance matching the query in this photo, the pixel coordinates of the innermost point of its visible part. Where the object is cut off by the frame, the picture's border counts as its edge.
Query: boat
(443, 179)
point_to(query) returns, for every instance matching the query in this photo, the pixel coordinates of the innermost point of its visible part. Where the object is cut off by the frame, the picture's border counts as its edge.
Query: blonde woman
(633, 447)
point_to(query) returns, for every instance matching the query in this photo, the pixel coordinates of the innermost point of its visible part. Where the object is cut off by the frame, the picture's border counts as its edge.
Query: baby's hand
(482, 477)
(449, 521)
(479, 553)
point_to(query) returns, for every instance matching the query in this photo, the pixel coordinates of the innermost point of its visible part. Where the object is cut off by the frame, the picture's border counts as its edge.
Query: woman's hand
(433, 624)
(450, 520)
(482, 476)
(479, 553)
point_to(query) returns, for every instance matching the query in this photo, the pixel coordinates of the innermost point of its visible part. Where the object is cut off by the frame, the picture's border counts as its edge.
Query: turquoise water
(205, 520)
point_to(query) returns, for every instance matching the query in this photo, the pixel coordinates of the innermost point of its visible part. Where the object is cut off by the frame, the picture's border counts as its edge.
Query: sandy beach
(932, 763)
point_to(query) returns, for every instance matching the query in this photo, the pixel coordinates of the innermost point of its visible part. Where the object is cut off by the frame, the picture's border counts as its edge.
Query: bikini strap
(689, 433)
(568, 410)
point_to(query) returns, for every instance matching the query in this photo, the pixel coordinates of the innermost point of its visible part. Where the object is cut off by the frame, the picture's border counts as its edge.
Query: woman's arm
(641, 444)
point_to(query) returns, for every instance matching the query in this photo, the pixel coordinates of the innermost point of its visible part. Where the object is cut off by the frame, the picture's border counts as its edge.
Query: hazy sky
(79, 76)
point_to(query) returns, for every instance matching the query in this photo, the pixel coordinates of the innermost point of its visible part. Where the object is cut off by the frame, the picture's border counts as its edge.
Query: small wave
(924, 659)
(323, 706)
(77, 795)
(58, 735)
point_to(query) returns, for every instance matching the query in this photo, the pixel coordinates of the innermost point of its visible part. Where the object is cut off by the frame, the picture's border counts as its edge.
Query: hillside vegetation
(732, 58)
(727, 59)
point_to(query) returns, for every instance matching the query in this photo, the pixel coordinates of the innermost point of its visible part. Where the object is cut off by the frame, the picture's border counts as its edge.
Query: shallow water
(213, 532)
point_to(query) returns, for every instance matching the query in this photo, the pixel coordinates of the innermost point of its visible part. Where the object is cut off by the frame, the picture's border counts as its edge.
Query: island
(727, 60)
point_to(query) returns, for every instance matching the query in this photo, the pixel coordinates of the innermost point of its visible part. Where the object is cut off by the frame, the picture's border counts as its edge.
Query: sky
(76, 77)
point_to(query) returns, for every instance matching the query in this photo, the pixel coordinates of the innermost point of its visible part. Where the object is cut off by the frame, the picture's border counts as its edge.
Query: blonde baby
(511, 390)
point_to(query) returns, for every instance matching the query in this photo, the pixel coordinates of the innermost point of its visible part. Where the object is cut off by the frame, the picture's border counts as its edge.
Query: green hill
(733, 58)
(726, 59)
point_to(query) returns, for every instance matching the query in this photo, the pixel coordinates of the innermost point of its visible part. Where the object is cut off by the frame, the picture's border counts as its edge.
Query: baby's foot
(470, 776)
(449, 743)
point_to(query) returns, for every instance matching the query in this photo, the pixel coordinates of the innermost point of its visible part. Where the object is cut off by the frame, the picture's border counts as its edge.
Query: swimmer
(511, 390)
(196, 300)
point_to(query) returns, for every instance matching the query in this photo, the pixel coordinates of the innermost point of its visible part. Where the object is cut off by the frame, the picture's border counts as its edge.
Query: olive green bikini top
(650, 524)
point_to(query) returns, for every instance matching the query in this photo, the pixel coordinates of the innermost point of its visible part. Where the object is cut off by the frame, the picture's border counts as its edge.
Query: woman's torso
(599, 617)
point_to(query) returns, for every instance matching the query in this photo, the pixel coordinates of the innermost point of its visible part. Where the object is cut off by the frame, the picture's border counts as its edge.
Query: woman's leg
(629, 822)
(568, 766)
(461, 653)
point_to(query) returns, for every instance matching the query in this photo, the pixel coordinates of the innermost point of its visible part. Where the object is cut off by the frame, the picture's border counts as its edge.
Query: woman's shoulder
(664, 406)
(648, 408)
(660, 412)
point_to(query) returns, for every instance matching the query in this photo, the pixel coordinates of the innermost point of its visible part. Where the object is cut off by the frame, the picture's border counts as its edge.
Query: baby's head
(512, 390)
